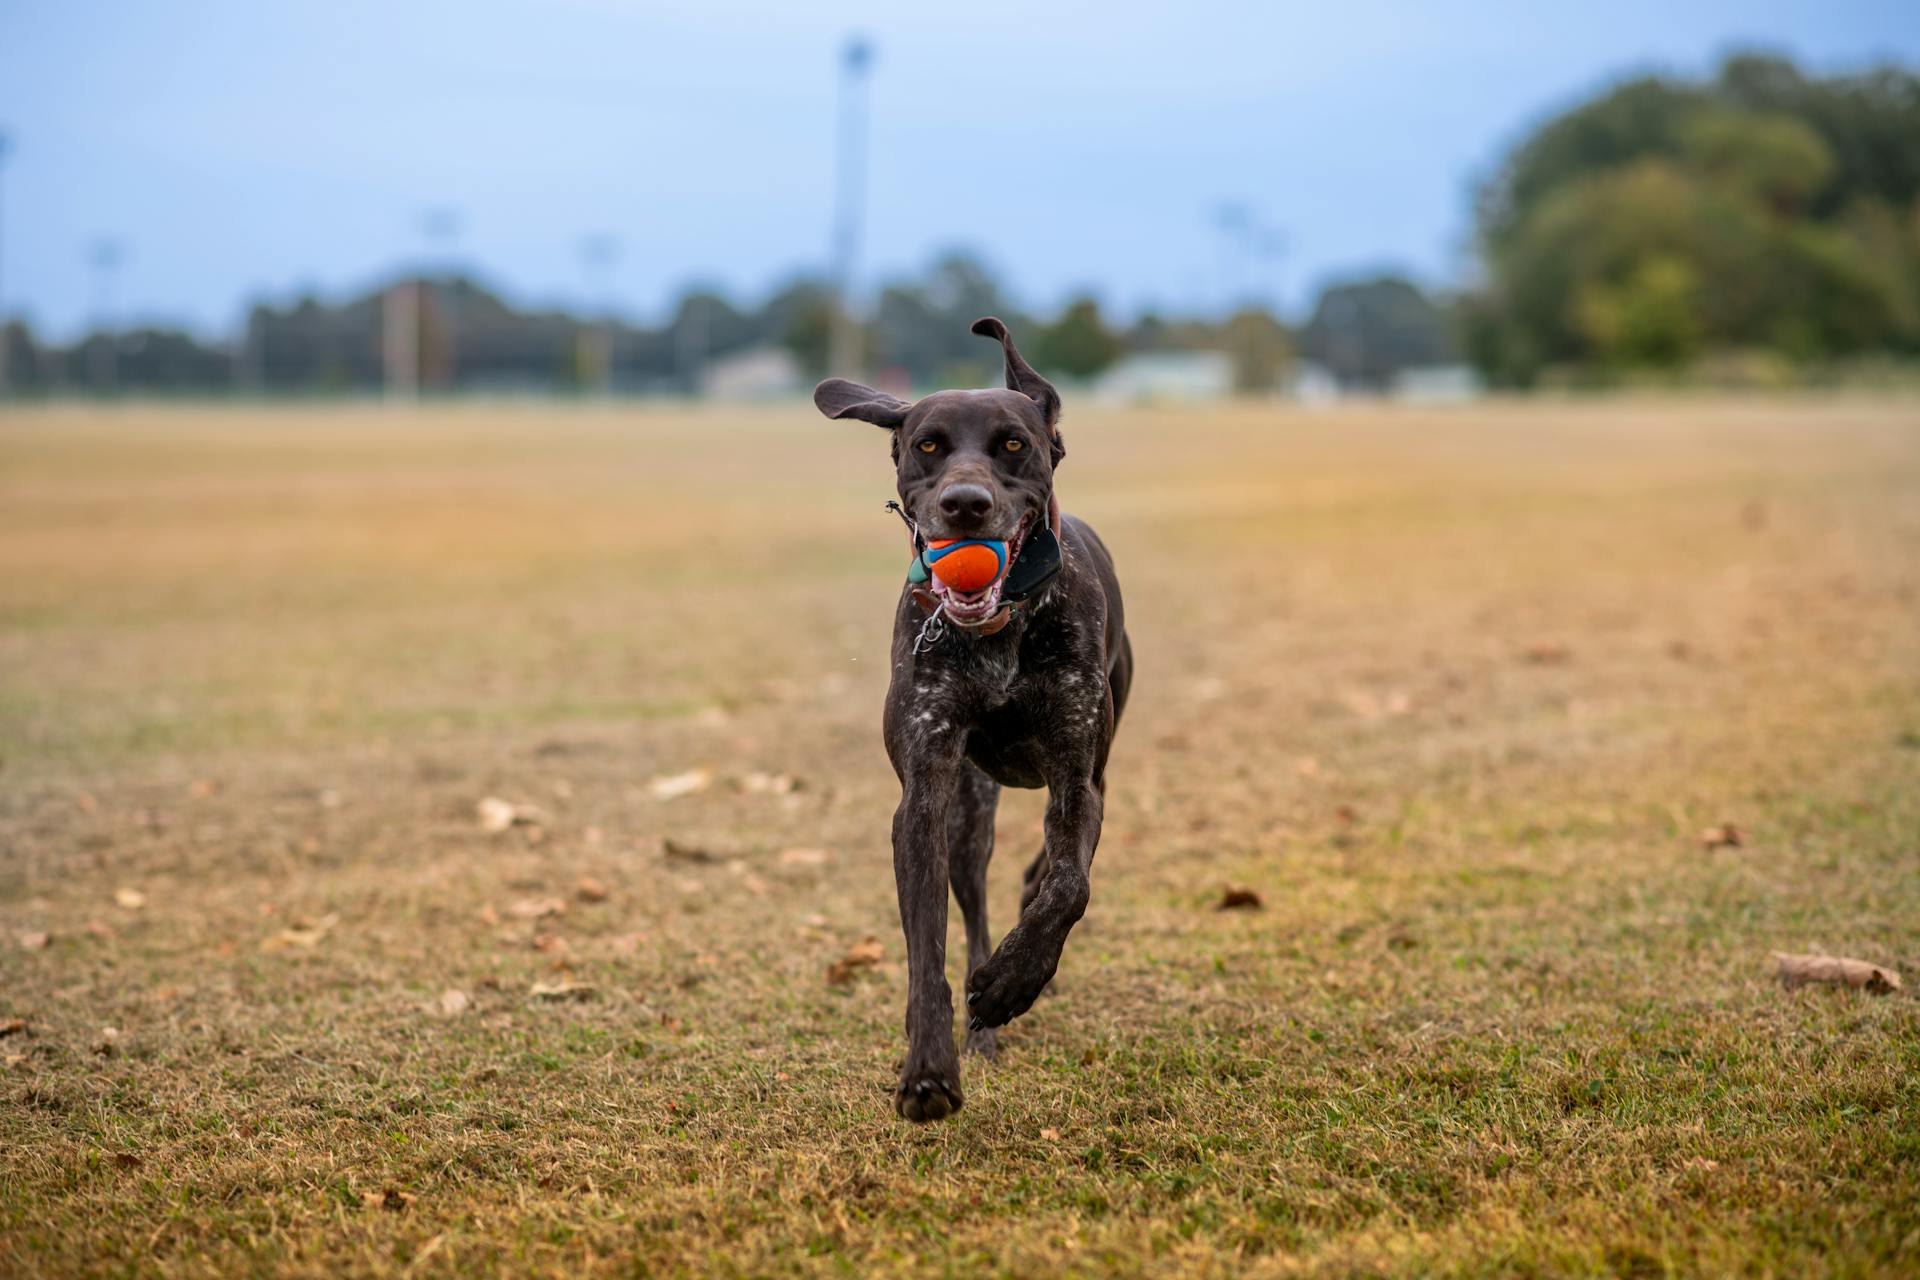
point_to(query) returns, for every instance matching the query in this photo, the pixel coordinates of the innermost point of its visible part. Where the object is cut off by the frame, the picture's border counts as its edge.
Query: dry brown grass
(1455, 691)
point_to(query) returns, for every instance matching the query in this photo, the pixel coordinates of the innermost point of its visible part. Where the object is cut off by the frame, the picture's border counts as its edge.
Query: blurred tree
(1666, 221)
(1773, 159)
(800, 318)
(1078, 344)
(921, 327)
(1367, 330)
(1261, 349)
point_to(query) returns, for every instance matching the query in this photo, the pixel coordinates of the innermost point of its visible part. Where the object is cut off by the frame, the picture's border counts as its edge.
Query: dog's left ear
(1020, 374)
(838, 398)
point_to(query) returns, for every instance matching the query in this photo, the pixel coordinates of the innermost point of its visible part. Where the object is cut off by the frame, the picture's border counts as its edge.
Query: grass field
(1454, 691)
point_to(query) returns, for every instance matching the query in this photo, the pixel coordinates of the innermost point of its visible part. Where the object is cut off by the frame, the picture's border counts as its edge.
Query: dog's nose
(966, 503)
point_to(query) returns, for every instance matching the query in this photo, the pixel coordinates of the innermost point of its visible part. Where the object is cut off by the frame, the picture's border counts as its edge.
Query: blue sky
(244, 148)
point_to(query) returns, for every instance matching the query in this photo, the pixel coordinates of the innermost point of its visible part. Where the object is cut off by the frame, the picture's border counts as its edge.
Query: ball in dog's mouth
(978, 606)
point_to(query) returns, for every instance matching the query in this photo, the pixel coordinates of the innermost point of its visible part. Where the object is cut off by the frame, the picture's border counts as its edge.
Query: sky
(239, 150)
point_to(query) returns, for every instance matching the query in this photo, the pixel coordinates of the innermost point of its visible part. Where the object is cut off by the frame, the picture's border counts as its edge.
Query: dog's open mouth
(967, 607)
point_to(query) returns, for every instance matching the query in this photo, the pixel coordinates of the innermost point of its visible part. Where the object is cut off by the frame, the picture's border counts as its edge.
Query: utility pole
(1245, 240)
(1231, 220)
(441, 229)
(598, 253)
(105, 256)
(400, 339)
(6, 333)
(856, 59)
(1270, 246)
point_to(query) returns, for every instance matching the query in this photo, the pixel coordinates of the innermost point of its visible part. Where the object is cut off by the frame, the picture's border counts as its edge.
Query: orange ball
(966, 564)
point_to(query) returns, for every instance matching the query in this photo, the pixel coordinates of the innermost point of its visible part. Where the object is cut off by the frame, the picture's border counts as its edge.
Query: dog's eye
(1015, 445)
(929, 446)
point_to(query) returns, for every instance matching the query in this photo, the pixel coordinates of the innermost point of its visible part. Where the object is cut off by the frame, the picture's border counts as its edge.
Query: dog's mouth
(978, 606)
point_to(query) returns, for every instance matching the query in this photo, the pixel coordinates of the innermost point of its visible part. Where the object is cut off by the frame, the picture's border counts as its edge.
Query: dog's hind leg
(969, 849)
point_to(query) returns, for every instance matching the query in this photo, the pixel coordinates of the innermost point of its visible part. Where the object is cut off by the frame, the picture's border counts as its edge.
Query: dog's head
(970, 464)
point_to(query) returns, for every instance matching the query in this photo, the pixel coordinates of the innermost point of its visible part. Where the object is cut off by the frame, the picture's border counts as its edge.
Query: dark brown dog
(989, 691)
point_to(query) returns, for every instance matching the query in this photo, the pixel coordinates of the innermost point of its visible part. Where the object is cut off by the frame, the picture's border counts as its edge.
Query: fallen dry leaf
(131, 899)
(803, 857)
(497, 815)
(99, 928)
(201, 788)
(549, 942)
(1724, 836)
(1547, 655)
(536, 908)
(35, 940)
(590, 890)
(861, 955)
(488, 916)
(564, 990)
(686, 852)
(769, 784)
(451, 1003)
(1798, 970)
(1050, 1135)
(1240, 900)
(305, 936)
(13, 1026)
(391, 1199)
(672, 786)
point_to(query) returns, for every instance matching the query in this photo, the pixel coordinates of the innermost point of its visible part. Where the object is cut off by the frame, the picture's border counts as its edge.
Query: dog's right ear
(838, 398)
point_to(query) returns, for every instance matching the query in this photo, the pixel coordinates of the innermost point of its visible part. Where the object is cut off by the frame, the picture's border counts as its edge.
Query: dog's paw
(984, 1041)
(927, 1093)
(1007, 985)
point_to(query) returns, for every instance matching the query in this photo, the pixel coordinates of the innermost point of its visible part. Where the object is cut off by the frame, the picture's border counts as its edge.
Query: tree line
(1756, 225)
(470, 339)
(1761, 217)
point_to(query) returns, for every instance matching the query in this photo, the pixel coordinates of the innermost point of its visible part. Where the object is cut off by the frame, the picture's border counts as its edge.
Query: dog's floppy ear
(1020, 374)
(838, 398)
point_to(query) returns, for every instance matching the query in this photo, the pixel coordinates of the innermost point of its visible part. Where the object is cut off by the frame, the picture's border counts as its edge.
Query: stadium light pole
(598, 252)
(6, 334)
(441, 228)
(856, 59)
(400, 339)
(105, 256)
(1231, 220)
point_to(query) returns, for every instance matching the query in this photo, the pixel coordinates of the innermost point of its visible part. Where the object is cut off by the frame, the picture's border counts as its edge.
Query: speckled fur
(1034, 705)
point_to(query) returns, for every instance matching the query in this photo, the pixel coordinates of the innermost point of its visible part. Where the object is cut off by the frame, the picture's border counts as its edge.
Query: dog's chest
(1007, 728)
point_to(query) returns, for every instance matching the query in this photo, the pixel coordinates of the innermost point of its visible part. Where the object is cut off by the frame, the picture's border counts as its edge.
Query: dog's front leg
(930, 1081)
(1007, 985)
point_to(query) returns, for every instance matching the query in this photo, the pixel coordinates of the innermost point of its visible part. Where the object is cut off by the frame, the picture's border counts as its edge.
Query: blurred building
(758, 373)
(1438, 384)
(1159, 377)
